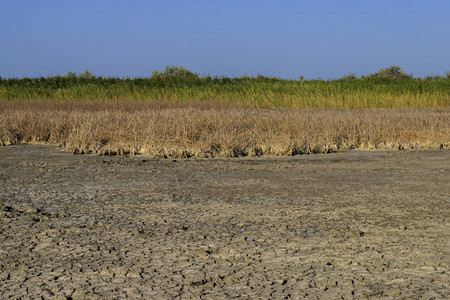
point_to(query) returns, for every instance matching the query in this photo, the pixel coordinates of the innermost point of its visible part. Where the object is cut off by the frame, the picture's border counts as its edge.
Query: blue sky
(287, 39)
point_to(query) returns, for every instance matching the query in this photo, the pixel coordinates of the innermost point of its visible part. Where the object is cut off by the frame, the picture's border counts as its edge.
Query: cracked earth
(347, 225)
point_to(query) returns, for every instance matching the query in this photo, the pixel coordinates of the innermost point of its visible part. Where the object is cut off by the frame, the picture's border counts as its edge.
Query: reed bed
(216, 129)
(262, 92)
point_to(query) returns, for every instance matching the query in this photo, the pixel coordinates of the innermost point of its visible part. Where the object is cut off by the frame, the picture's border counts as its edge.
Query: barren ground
(356, 224)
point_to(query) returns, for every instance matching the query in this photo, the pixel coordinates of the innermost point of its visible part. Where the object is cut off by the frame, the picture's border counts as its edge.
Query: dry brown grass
(215, 130)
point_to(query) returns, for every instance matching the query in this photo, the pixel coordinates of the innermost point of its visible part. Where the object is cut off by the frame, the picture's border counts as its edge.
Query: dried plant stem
(215, 130)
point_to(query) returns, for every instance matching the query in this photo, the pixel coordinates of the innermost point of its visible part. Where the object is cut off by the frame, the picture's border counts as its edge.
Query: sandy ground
(350, 225)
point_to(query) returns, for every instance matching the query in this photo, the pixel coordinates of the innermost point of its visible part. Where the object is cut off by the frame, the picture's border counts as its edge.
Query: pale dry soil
(347, 225)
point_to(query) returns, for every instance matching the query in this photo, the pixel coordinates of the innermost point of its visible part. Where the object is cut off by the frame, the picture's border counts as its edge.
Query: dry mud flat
(350, 225)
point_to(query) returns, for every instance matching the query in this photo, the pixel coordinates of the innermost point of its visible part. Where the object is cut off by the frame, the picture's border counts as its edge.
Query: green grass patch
(389, 89)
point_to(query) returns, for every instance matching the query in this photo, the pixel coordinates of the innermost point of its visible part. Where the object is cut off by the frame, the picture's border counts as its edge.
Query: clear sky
(283, 38)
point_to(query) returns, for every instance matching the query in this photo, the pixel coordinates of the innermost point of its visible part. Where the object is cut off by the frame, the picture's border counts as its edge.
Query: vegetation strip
(215, 130)
(389, 87)
(178, 113)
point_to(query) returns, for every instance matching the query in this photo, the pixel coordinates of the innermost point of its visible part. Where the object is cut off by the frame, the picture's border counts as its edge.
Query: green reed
(260, 91)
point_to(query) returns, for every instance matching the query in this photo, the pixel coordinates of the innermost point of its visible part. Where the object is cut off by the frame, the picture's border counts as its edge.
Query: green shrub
(157, 73)
(85, 75)
(349, 76)
(174, 71)
(434, 77)
(71, 74)
(392, 72)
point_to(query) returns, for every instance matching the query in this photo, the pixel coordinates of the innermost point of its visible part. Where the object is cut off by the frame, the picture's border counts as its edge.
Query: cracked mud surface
(351, 225)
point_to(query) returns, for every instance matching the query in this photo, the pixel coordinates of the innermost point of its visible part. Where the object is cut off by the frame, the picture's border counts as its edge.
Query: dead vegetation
(216, 130)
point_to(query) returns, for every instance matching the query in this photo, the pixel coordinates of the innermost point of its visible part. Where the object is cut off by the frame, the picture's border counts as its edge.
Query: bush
(392, 72)
(71, 75)
(174, 71)
(434, 77)
(349, 76)
(85, 75)
(157, 73)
